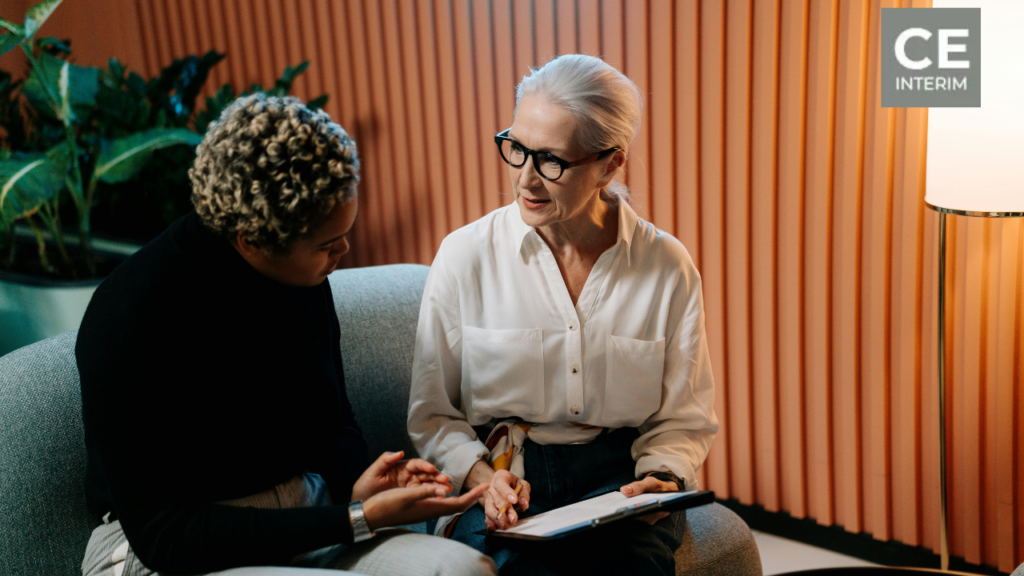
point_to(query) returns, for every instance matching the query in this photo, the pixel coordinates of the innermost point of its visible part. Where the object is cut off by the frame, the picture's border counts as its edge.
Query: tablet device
(599, 511)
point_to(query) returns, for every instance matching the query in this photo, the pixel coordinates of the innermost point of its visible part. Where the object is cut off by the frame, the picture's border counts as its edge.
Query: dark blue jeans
(564, 474)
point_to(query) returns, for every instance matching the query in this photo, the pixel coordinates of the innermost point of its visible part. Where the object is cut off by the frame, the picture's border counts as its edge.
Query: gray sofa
(44, 524)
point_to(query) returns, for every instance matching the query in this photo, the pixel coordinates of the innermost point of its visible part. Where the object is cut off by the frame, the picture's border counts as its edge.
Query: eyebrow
(326, 242)
(545, 150)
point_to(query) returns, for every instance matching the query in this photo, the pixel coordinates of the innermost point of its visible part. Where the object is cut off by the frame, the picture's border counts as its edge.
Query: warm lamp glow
(976, 155)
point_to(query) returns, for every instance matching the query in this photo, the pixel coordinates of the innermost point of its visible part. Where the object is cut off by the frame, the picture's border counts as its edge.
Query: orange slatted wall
(765, 150)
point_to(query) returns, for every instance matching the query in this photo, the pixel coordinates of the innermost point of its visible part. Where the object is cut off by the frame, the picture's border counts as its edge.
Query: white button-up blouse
(499, 337)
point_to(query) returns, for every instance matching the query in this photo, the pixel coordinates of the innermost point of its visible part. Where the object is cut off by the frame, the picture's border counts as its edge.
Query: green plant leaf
(12, 27)
(38, 14)
(318, 102)
(8, 42)
(43, 85)
(65, 103)
(54, 44)
(28, 181)
(122, 159)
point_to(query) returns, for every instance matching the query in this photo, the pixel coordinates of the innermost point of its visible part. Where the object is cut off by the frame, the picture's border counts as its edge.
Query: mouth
(534, 204)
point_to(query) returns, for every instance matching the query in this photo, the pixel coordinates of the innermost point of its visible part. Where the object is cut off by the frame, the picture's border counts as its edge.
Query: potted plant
(79, 142)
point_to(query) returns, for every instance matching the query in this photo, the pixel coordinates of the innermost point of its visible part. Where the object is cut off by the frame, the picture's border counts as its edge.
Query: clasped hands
(502, 491)
(396, 492)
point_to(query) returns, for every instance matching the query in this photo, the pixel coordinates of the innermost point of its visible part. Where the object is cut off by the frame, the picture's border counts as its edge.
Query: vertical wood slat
(294, 55)
(638, 171)
(846, 224)
(738, 48)
(151, 57)
(506, 77)
(491, 165)
(399, 149)
(712, 221)
(686, 114)
(763, 249)
(590, 26)
(817, 262)
(364, 131)
(798, 196)
(214, 12)
(467, 117)
(967, 388)
(455, 188)
(874, 273)
(659, 105)
(544, 31)
(307, 30)
(568, 43)
(417, 156)
(437, 168)
(791, 176)
(1001, 428)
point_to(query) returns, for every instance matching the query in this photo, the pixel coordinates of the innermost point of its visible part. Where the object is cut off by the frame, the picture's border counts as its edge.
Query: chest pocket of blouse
(503, 371)
(632, 389)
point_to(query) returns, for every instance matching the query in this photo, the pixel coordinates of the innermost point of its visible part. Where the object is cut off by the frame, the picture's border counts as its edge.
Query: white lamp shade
(976, 155)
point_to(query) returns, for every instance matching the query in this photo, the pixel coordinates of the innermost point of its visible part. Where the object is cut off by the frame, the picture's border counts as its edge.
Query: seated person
(570, 334)
(218, 430)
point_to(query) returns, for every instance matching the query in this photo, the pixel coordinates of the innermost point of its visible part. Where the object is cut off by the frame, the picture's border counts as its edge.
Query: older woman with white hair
(561, 348)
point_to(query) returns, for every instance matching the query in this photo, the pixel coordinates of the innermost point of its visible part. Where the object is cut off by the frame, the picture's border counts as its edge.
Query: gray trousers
(392, 552)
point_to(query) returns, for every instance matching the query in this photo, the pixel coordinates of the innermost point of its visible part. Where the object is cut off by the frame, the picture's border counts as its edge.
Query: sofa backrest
(378, 308)
(44, 523)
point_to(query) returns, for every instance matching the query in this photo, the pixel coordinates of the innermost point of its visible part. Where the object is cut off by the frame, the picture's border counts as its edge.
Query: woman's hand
(389, 472)
(414, 504)
(501, 492)
(649, 484)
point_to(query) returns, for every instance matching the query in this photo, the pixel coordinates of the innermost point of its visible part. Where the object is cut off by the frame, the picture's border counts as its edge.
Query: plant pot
(33, 308)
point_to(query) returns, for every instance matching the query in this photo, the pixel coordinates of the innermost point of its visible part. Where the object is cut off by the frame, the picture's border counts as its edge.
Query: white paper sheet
(554, 521)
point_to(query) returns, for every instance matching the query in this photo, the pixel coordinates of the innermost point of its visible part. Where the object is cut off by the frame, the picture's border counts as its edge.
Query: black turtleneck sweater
(202, 381)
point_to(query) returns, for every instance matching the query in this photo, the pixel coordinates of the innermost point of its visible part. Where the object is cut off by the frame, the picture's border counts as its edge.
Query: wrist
(480, 473)
(361, 529)
(668, 477)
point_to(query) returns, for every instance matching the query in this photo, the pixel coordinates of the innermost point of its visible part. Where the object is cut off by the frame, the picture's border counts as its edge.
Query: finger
(524, 495)
(419, 465)
(385, 461)
(474, 494)
(634, 488)
(509, 488)
(422, 492)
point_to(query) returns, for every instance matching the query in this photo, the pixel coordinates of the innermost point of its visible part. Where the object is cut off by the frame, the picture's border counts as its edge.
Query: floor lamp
(976, 165)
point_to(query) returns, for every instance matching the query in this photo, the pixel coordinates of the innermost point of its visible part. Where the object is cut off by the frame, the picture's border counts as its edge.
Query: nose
(342, 248)
(528, 176)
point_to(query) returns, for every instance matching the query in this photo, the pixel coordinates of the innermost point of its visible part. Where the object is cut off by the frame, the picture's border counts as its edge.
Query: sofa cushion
(46, 524)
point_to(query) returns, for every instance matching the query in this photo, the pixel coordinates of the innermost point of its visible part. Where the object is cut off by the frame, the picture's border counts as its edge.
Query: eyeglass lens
(514, 154)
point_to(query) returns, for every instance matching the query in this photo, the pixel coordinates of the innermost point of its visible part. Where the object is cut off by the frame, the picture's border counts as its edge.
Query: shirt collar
(627, 225)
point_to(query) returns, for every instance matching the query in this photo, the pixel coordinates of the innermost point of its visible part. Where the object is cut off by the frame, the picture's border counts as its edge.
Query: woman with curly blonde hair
(217, 426)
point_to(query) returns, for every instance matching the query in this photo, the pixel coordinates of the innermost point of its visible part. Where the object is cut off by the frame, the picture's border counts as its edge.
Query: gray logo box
(931, 57)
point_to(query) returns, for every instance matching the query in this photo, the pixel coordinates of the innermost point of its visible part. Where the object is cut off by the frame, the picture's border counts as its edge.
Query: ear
(617, 160)
(242, 245)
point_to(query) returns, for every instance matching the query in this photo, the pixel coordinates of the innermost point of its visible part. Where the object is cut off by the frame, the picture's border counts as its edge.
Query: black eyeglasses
(549, 166)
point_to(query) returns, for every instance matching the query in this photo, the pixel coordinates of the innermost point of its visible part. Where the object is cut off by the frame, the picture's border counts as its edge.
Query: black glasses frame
(563, 164)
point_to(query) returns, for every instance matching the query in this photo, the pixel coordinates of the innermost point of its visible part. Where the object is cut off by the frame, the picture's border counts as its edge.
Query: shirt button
(573, 325)
(575, 410)
(574, 368)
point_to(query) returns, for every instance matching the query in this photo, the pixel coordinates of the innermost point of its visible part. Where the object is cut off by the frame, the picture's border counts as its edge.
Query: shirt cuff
(459, 462)
(663, 464)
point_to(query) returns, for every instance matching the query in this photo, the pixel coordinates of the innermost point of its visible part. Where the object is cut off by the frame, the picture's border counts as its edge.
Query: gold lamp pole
(976, 167)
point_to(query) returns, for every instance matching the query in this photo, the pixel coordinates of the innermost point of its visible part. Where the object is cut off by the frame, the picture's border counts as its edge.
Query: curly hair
(273, 170)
